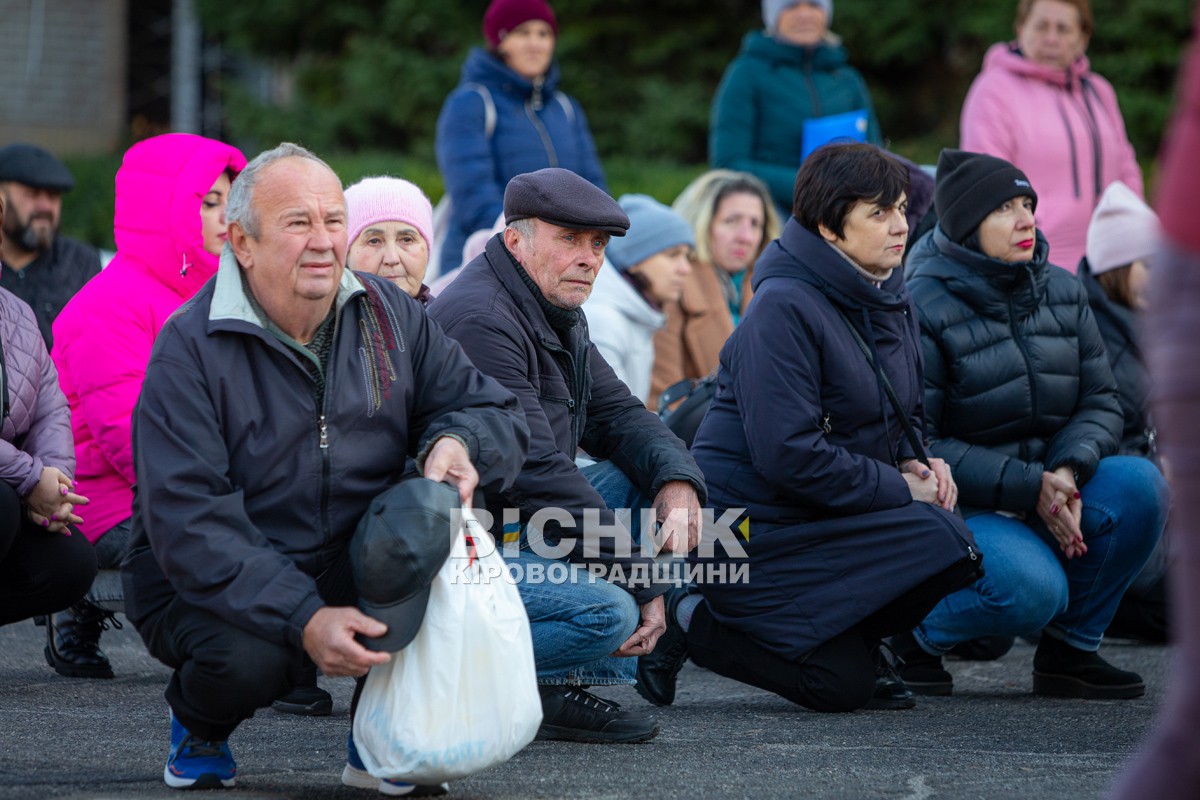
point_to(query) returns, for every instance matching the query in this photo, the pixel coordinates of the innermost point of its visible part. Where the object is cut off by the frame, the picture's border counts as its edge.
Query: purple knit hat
(502, 16)
(384, 199)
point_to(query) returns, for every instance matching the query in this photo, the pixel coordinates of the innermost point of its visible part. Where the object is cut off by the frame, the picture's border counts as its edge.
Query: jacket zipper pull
(324, 433)
(825, 426)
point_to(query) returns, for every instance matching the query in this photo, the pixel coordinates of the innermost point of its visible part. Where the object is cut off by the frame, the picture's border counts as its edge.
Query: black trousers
(223, 673)
(40, 572)
(838, 675)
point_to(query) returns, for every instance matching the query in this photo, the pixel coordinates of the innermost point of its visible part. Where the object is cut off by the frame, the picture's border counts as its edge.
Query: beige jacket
(697, 326)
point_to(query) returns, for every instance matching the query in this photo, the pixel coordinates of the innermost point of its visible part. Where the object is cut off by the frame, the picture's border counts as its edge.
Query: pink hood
(103, 338)
(160, 186)
(1062, 128)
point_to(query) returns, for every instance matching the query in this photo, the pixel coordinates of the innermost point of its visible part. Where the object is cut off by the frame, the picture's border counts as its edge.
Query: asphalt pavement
(100, 739)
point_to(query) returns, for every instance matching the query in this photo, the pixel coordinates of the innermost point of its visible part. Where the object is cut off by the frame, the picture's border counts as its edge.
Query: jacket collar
(230, 301)
(1007, 57)
(825, 56)
(986, 284)
(488, 69)
(799, 254)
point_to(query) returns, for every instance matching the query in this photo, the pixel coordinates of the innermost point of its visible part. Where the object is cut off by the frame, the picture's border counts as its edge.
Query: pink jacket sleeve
(108, 396)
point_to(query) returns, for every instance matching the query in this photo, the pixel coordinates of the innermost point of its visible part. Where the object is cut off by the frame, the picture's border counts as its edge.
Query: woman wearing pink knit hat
(1123, 236)
(389, 225)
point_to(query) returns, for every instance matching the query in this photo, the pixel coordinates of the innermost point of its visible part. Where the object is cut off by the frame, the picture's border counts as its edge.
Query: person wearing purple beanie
(507, 117)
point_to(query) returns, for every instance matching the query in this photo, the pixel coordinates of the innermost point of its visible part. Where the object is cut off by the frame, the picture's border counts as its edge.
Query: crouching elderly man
(516, 311)
(277, 403)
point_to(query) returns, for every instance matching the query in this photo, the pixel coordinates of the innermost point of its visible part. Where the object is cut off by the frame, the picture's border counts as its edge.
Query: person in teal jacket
(794, 70)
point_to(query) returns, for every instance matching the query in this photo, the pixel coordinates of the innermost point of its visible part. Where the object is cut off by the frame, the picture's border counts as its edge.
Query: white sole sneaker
(361, 779)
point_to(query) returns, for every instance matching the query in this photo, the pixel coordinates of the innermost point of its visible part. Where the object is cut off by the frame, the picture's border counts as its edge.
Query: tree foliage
(372, 74)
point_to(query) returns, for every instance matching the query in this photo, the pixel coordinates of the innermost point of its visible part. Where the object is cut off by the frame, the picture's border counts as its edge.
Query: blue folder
(848, 127)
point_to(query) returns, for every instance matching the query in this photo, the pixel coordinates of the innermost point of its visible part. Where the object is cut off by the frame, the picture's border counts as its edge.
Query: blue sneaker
(196, 764)
(355, 774)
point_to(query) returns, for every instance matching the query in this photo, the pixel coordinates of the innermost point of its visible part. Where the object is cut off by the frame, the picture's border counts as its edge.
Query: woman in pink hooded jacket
(169, 227)
(1038, 105)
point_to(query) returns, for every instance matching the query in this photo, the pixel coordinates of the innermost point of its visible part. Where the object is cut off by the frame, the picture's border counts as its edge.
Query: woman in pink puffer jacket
(169, 227)
(1038, 105)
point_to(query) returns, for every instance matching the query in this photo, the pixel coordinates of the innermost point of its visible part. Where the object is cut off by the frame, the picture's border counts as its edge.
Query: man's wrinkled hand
(329, 641)
(677, 508)
(652, 626)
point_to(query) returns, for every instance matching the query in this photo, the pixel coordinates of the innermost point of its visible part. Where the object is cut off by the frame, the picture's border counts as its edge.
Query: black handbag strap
(914, 441)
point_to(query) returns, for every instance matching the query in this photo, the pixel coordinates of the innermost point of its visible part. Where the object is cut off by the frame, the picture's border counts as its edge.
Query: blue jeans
(578, 620)
(1029, 584)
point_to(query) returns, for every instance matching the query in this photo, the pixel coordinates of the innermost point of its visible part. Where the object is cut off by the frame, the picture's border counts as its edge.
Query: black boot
(920, 671)
(1060, 670)
(73, 641)
(891, 693)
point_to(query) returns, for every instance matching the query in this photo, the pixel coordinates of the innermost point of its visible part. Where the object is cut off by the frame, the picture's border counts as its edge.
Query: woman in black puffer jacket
(1020, 401)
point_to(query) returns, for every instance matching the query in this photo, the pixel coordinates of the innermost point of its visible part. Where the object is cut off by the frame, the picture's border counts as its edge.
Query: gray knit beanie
(653, 227)
(771, 9)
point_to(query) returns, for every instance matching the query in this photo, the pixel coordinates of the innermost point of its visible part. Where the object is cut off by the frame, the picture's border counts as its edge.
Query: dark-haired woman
(842, 520)
(1020, 401)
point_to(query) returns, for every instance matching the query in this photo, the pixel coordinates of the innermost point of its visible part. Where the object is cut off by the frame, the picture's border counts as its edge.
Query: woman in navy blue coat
(847, 530)
(507, 117)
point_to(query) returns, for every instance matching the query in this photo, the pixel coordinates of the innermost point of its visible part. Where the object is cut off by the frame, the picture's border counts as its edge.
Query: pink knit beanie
(384, 199)
(1123, 230)
(502, 16)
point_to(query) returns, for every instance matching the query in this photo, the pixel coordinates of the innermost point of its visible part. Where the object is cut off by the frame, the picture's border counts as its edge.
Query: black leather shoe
(573, 715)
(658, 672)
(920, 671)
(73, 641)
(1060, 670)
(305, 701)
(891, 694)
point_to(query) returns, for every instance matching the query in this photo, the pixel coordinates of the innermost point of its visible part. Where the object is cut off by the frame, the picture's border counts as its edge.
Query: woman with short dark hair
(1020, 400)
(846, 522)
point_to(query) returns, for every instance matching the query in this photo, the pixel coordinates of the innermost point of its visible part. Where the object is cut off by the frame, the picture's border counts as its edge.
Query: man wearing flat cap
(516, 311)
(278, 405)
(40, 266)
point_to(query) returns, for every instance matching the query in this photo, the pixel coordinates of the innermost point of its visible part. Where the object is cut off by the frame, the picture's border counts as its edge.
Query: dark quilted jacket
(37, 421)
(1118, 328)
(1017, 381)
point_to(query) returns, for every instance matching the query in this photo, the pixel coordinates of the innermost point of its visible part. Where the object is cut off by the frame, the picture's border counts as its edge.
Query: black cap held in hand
(33, 166)
(399, 546)
(972, 185)
(562, 198)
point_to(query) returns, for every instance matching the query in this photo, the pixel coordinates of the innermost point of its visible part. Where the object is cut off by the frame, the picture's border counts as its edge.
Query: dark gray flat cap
(562, 198)
(33, 166)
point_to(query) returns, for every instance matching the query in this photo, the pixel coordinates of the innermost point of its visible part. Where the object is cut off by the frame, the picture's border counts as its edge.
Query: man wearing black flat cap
(40, 266)
(516, 311)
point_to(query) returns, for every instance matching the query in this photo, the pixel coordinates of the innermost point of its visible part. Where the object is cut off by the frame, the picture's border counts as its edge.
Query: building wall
(63, 74)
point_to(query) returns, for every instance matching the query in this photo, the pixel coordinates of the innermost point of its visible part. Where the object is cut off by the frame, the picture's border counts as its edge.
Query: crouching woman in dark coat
(847, 528)
(1020, 400)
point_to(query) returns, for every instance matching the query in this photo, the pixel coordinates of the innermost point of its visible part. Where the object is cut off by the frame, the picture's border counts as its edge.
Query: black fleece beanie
(972, 185)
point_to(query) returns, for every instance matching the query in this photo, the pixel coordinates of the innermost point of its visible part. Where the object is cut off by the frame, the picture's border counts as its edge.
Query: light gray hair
(525, 227)
(240, 206)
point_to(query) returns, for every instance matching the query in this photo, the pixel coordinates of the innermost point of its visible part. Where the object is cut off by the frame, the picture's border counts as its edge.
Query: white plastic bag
(463, 695)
